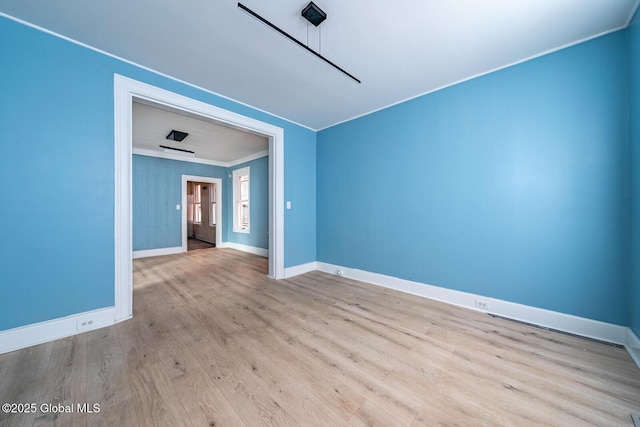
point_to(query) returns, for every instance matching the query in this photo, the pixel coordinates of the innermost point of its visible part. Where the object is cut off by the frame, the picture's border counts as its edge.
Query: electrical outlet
(84, 325)
(482, 304)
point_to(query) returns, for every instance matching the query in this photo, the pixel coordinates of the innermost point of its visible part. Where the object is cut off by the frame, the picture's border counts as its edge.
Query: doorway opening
(202, 220)
(125, 91)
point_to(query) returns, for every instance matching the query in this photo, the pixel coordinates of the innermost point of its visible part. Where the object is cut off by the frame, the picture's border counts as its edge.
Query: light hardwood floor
(213, 342)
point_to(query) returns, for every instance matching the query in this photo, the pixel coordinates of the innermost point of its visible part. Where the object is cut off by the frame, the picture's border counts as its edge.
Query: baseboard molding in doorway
(157, 252)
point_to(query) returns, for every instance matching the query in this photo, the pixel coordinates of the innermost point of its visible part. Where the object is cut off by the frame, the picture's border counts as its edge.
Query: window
(197, 204)
(212, 207)
(241, 205)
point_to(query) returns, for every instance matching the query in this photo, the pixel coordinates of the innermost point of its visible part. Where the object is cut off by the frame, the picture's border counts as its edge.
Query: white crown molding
(170, 156)
(38, 333)
(546, 318)
(632, 14)
(146, 253)
(250, 157)
(181, 158)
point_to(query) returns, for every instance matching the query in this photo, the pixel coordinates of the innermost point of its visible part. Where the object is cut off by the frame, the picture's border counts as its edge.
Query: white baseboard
(633, 346)
(300, 269)
(246, 248)
(157, 252)
(537, 316)
(38, 333)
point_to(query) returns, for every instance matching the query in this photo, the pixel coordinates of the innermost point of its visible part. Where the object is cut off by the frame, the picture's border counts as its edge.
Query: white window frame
(197, 189)
(237, 227)
(213, 209)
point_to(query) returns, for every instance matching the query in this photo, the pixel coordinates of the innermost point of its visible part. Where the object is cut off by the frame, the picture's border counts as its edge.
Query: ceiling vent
(176, 135)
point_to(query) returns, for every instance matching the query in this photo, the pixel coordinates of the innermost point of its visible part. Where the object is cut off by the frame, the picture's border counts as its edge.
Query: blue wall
(634, 49)
(156, 192)
(301, 161)
(513, 185)
(259, 205)
(57, 244)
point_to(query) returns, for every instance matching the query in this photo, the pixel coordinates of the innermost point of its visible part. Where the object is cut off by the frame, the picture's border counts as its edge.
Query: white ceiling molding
(195, 159)
(170, 156)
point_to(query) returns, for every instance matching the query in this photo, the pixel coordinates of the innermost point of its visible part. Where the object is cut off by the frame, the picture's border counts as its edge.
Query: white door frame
(219, 219)
(125, 90)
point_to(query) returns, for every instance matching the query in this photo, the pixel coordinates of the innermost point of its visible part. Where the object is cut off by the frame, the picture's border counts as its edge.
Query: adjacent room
(320, 213)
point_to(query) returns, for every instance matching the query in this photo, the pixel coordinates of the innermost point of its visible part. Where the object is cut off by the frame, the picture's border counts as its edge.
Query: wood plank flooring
(213, 342)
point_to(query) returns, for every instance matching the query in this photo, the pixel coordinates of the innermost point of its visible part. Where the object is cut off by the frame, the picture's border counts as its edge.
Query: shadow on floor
(193, 244)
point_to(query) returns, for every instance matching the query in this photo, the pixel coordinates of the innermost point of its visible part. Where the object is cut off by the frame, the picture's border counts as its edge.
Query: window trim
(197, 189)
(213, 208)
(237, 228)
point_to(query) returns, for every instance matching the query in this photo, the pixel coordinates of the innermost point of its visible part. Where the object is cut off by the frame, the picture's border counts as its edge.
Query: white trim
(125, 90)
(146, 253)
(300, 269)
(135, 64)
(634, 9)
(537, 316)
(236, 174)
(246, 248)
(242, 230)
(250, 157)
(178, 152)
(276, 206)
(632, 345)
(38, 333)
(123, 246)
(219, 218)
(182, 158)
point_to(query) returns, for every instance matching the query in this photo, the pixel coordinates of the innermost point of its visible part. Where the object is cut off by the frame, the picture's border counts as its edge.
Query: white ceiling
(219, 144)
(399, 49)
